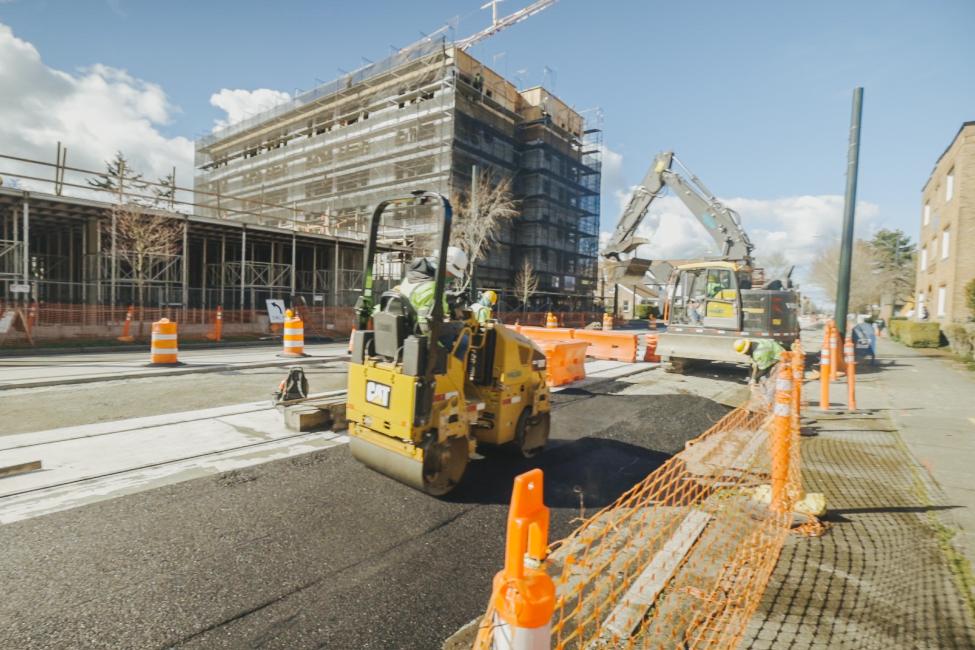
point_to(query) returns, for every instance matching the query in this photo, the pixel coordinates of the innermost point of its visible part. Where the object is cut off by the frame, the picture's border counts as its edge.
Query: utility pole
(849, 210)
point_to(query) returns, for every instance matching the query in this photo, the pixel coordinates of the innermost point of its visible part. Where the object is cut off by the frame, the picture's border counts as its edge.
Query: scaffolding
(423, 118)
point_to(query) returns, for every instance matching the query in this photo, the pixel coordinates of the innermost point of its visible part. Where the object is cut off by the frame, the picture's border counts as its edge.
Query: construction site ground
(894, 568)
(309, 549)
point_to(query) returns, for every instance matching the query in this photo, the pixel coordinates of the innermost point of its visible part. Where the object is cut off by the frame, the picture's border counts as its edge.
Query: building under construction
(425, 117)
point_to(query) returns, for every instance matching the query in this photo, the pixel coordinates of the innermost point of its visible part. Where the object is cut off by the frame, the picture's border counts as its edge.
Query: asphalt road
(315, 551)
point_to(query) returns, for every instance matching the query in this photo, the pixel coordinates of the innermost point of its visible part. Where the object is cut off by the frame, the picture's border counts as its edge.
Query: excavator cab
(421, 396)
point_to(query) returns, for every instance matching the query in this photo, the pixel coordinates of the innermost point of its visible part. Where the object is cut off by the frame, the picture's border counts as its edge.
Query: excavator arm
(721, 222)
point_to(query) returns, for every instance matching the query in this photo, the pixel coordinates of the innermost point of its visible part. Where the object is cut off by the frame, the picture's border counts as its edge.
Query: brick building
(945, 258)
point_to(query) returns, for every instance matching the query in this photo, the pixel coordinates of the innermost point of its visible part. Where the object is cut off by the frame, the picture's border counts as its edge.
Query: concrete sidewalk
(53, 370)
(931, 400)
(890, 570)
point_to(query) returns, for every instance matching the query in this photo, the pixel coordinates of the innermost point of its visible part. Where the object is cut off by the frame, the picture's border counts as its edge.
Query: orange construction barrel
(294, 336)
(163, 349)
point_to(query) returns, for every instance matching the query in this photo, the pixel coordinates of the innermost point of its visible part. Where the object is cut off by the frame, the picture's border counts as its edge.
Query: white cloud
(797, 226)
(240, 104)
(94, 112)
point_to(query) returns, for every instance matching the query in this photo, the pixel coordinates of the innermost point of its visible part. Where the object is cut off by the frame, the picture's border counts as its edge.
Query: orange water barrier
(613, 345)
(565, 361)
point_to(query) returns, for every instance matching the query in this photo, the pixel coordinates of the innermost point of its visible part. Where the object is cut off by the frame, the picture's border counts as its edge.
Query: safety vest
(766, 353)
(420, 294)
(481, 312)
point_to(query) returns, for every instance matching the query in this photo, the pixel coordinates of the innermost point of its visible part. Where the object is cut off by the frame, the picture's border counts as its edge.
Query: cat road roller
(423, 393)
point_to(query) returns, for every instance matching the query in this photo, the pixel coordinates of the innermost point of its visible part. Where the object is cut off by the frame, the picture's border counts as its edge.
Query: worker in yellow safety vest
(483, 308)
(420, 282)
(764, 354)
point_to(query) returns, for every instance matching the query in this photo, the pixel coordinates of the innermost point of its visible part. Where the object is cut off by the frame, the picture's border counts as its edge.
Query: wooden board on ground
(633, 606)
(20, 468)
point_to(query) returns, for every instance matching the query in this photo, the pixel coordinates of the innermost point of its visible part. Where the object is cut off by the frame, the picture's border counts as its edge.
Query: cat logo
(377, 393)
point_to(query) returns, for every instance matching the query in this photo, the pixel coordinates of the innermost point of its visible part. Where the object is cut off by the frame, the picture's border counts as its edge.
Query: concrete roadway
(61, 369)
(315, 550)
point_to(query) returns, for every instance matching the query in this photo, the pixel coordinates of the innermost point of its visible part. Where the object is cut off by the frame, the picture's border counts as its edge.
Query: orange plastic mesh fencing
(681, 560)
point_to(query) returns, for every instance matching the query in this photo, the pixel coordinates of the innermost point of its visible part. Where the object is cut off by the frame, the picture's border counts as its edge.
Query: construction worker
(764, 353)
(482, 309)
(420, 281)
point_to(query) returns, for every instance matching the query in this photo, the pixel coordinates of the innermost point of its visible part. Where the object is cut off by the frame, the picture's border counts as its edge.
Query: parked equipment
(712, 302)
(420, 402)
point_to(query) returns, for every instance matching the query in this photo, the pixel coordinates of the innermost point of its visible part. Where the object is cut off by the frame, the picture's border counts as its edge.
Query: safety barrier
(613, 346)
(682, 559)
(541, 334)
(126, 336)
(65, 322)
(565, 361)
(294, 336)
(650, 348)
(217, 333)
(567, 318)
(164, 348)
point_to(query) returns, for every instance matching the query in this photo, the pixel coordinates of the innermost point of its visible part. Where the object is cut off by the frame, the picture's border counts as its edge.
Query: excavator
(423, 393)
(710, 302)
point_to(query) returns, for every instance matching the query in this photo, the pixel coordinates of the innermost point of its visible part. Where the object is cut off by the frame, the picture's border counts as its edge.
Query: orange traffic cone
(126, 328)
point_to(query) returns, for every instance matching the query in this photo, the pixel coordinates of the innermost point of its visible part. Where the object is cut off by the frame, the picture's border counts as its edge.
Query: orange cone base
(292, 355)
(126, 339)
(174, 364)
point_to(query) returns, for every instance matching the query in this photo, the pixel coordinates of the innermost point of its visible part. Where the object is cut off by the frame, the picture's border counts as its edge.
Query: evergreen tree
(165, 191)
(893, 258)
(118, 173)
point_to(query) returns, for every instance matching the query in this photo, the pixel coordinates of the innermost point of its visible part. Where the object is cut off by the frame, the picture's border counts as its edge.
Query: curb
(199, 345)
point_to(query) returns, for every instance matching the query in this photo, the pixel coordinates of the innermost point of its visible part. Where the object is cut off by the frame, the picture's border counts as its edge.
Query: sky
(753, 96)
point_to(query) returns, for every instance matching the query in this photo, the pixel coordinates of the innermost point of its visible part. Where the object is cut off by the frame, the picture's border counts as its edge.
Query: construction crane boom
(497, 24)
(721, 222)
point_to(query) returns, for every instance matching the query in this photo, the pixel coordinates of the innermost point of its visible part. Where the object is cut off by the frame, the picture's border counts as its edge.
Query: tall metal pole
(26, 258)
(473, 217)
(849, 210)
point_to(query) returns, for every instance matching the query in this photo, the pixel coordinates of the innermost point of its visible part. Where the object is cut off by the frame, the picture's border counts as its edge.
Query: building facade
(421, 119)
(947, 238)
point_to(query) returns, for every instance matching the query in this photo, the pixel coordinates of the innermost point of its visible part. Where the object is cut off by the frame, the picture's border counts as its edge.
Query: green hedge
(919, 335)
(894, 326)
(644, 311)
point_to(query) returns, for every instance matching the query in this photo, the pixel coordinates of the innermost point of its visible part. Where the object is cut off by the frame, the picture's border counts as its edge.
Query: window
(941, 301)
(927, 214)
(924, 259)
(945, 243)
(950, 185)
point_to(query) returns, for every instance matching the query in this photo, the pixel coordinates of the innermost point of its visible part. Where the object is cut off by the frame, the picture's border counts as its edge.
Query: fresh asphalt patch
(317, 550)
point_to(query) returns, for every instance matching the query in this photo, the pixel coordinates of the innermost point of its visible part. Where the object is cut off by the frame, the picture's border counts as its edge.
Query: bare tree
(867, 282)
(141, 239)
(476, 230)
(776, 265)
(526, 284)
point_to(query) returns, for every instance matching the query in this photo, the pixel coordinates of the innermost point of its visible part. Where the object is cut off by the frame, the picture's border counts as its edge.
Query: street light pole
(849, 209)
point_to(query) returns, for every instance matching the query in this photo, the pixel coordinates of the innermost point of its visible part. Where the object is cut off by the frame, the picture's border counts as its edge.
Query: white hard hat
(456, 262)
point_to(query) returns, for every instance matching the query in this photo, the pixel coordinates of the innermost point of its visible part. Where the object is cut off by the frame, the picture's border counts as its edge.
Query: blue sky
(754, 96)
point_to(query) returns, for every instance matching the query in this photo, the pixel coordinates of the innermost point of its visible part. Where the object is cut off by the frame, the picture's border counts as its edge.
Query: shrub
(895, 327)
(920, 335)
(970, 296)
(958, 339)
(644, 311)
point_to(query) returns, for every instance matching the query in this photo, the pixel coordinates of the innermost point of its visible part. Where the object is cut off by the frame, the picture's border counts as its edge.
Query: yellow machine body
(485, 394)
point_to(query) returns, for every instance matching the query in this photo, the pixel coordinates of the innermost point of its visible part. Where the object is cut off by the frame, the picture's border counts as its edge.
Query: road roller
(424, 393)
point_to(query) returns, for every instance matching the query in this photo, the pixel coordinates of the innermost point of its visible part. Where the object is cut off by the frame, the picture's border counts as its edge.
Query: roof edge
(950, 145)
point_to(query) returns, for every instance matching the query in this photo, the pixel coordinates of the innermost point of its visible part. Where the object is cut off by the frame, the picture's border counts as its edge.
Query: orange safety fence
(63, 321)
(682, 559)
(565, 361)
